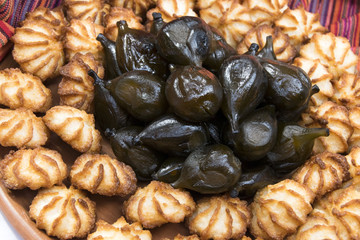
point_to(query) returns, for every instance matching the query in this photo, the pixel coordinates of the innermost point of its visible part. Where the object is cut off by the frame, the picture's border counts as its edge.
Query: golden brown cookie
(319, 226)
(230, 18)
(172, 9)
(63, 212)
(335, 216)
(76, 88)
(38, 48)
(220, 218)
(334, 117)
(354, 117)
(265, 11)
(202, 4)
(158, 203)
(21, 128)
(181, 237)
(333, 52)
(53, 17)
(119, 230)
(279, 209)
(101, 174)
(283, 49)
(95, 10)
(299, 25)
(116, 14)
(323, 173)
(353, 159)
(74, 127)
(347, 90)
(138, 6)
(32, 168)
(25, 90)
(80, 37)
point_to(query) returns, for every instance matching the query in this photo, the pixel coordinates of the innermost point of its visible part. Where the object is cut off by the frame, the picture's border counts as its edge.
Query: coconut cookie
(158, 203)
(33, 168)
(220, 217)
(38, 47)
(80, 37)
(119, 230)
(22, 128)
(25, 90)
(63, 212)
(76, 88)
(101, 174)
(74, 127)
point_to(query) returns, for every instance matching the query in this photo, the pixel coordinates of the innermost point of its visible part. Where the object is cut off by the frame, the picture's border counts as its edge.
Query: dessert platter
(179, 119)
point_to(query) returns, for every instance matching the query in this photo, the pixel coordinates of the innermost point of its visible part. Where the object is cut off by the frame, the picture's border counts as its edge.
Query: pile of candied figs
(179, 105)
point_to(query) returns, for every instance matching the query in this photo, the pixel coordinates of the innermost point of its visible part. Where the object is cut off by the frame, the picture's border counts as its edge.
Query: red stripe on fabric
(9, 30)
(337, 10)
(7, 8)
(357, 30)
(6, 31)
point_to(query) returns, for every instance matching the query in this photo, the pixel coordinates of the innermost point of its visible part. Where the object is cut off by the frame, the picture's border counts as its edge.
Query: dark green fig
(194, 93)
(157, 23)
(174, 136)
(289, 87)
(253, 49)
(256, 136)
(215, 127)
(108, 113)
(219, 51)
(170, 170)
(112, 69)
(185, 41)
(268, 50)
(295, 114)
(143, 160)
(140, 93)
(252, 180)
(210, 170)
(293, 147)
(244, 84)
(136, 50)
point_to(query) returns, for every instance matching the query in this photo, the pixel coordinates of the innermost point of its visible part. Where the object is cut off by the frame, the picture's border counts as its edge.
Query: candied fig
(252, 180)
(108, 113)
(194, 93)
(169, 170)
(112, 69)
(268, 50)
(289, 87)
(157, 23)
(136, 50)
(174, 136)
(185, 41)
(140, 93)
(256, 136)
(215, 128)
(219, 51)
(143, 160)
(210, 170)
(244, 84)
(293, 147)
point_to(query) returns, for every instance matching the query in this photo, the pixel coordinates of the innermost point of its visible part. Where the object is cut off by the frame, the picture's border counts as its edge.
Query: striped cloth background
(342, 17)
